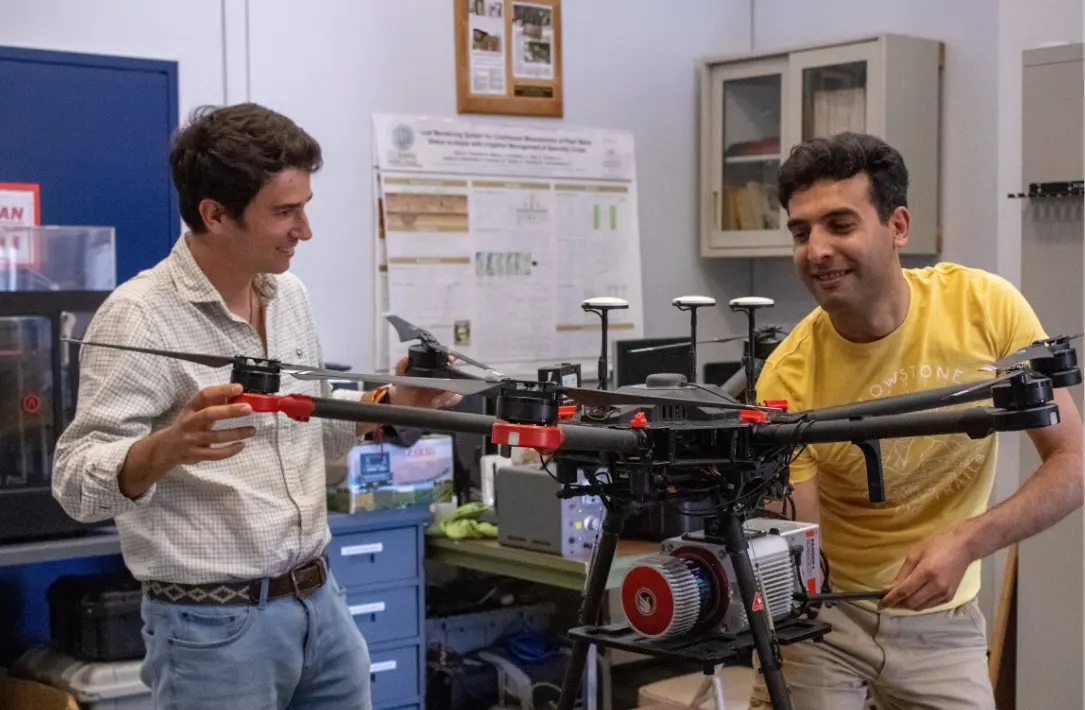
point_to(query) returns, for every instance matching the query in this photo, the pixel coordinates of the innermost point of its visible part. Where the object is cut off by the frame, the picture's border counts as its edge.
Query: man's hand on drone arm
(931, 573)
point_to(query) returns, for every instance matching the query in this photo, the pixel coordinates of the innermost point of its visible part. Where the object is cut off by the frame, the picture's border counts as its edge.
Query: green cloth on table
(464, 524)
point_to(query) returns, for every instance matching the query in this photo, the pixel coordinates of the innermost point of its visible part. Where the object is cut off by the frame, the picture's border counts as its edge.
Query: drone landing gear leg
(594, 591)
(711, 685)
(768, 650)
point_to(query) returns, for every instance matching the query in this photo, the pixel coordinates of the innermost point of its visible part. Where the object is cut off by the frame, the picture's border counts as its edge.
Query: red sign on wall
(20, 205)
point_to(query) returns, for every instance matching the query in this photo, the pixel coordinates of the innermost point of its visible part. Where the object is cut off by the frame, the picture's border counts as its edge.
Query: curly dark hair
(228, 153)
(842, 156)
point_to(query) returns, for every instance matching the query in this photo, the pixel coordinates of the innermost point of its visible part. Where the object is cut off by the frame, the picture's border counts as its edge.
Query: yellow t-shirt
(959, 319)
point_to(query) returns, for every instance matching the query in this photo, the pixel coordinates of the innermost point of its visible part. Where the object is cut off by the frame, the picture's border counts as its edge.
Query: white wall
(331, 65)
(1022, 25)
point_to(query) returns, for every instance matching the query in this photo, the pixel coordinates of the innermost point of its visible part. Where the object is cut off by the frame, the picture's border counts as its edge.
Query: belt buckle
(294, 579)
(294, 582)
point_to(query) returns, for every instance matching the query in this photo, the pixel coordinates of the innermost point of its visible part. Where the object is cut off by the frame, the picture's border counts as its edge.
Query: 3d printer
(52, 279)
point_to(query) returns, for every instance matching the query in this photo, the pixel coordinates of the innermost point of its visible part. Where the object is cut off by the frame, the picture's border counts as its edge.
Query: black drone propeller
(409, 331)
(762, 333)
(679, 395)
(1046, 348)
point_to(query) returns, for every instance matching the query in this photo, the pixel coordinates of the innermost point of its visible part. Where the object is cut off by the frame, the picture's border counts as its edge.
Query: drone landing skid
(708, 651)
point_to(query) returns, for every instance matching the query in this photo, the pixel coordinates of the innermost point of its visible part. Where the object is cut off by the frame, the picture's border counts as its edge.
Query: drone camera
(690, 587)
(256, 376)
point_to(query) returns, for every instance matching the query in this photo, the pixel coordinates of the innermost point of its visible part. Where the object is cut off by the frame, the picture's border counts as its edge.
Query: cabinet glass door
(748, 117)
(833, 100)
(834, 91)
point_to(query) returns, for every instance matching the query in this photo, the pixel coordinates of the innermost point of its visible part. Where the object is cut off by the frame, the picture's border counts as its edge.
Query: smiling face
(843, 252)
(262, 240)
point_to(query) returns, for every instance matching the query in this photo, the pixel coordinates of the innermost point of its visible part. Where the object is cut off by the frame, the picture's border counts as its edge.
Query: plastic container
(96, 686)
(97, 618)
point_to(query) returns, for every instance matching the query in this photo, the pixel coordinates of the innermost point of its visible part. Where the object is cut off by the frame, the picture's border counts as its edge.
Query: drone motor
(256, 375)
(425, 361)
(1061, 367)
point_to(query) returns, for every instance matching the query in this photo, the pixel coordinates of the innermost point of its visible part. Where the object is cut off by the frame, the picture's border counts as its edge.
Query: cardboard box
(385, 476)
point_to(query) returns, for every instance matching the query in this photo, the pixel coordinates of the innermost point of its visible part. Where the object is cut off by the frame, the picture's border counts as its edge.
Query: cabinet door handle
(381, 667)
(716, 209)
(373, 608)
(370, 549)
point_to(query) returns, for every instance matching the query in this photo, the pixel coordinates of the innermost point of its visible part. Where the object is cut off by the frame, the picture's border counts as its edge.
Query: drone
(743, 582)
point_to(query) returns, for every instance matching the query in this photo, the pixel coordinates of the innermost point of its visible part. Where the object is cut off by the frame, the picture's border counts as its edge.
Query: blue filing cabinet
(378, 558)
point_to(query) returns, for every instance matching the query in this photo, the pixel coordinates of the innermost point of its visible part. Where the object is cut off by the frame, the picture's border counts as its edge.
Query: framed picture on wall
(508, 57)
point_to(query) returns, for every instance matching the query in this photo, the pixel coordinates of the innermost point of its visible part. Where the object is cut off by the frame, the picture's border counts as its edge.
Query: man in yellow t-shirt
(880, 330)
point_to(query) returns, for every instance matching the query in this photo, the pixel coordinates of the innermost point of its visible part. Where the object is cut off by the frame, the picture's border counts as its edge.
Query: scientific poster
(494, 235)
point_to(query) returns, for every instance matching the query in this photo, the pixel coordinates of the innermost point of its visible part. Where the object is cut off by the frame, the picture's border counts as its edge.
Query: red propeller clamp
(295, 406)
(544, 439)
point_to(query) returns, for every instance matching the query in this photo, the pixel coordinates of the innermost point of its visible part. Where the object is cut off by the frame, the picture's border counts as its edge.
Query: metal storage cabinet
(378, 558)
(1049, 567)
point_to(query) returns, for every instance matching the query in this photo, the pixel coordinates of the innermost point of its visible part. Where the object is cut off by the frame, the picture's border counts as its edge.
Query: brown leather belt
(298, 582)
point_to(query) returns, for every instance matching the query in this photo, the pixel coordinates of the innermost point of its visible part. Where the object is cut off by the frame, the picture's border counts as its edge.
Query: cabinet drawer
(375, 557)
(394, 675)
(385, 615)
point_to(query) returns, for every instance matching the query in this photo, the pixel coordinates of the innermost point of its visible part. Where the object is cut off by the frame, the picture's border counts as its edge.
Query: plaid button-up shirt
(256, 514)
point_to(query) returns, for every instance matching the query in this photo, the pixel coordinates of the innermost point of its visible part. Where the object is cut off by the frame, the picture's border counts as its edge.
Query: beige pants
(936, 661)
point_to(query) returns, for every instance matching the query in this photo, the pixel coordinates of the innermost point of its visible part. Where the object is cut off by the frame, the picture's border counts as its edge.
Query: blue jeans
(289, 654)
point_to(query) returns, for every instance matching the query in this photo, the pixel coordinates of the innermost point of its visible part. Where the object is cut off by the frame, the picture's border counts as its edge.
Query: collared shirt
(255, 514)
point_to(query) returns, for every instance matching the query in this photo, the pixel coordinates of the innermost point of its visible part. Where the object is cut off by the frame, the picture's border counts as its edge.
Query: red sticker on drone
(31, 403)
(758, 605)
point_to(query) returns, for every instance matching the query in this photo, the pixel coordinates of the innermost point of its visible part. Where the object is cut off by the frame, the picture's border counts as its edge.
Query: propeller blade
(458, 386)
(407, 331)
(692, 396)
(685, 344)
(985, 383)
(472, 361)
(208, 360)
(1032, 352)
(1036, 351)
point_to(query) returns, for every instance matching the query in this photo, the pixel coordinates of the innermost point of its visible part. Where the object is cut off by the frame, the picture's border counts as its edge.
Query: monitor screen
(634, 368)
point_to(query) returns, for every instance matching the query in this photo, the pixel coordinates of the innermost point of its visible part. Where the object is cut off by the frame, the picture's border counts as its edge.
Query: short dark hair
(843, 156)
(228, 153)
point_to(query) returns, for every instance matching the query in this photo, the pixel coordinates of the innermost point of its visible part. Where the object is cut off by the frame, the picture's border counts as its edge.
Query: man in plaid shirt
(221, 511)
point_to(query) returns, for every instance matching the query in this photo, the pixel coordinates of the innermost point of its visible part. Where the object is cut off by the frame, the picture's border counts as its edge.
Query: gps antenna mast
(691, 304)
(601, 306)
(749, 304)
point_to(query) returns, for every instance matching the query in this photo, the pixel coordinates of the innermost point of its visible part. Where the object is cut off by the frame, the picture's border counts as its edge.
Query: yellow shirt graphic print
(959, 320)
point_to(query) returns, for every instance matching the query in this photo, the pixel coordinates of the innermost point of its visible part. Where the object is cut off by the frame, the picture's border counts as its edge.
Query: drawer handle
(370, 549)
(382, 667)
(373, 608)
